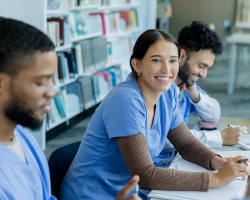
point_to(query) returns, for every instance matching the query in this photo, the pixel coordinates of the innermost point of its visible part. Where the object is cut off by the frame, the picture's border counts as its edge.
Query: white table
(235, 40)
(222, 124)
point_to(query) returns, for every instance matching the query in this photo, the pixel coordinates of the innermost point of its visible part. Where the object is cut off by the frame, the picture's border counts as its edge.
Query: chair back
(59, 163)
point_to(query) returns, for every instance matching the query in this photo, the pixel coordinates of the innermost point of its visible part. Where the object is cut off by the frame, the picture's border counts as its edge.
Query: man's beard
(16, 112)
(185, 75)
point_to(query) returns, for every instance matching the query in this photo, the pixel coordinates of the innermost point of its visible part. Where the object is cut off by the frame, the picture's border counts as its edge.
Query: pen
(136, 190)
(242, 160)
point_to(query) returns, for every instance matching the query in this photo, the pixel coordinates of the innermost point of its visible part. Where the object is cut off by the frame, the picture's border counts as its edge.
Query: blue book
(60, 105)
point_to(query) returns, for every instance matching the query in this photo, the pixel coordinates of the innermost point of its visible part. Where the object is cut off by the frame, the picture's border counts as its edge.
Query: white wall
(29, 11)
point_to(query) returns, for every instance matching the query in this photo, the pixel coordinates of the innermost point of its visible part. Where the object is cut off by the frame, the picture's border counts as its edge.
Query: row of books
(66, 103)
(83, 94)
(118, 21)
(106, 22)
(83, 23)
(67, 68)
(243, 11)
(58, 30)
(90, 56)
(95, 87)
(67, 4)
(119, 48)
(69, 28)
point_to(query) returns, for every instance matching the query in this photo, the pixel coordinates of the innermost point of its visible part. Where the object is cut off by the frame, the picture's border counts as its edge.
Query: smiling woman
(127, 132)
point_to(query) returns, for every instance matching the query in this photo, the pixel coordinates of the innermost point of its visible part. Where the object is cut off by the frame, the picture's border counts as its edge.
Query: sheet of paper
(244, 142)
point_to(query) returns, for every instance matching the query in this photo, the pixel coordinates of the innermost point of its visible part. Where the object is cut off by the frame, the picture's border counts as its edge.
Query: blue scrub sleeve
(124, 114)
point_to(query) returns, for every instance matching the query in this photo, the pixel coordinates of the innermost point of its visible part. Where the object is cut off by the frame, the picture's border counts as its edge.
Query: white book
(79, 59)
(244, 142)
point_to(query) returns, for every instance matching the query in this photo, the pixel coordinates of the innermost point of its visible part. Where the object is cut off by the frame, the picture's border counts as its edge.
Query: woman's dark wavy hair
(198, 37)
(18, 41)
(145, 40)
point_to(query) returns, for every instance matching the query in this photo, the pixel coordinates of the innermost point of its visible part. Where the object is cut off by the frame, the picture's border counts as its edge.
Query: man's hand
(192, 90)
(126, 189)
(231, 135)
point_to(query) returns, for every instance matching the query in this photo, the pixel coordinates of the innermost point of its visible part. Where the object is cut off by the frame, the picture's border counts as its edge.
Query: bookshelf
(93, 41)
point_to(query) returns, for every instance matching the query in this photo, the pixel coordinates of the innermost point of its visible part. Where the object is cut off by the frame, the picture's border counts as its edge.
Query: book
(79, 59)
(74, 89)
(60, 105)
(78, 22)
(57, 30)
(71, 59)
(102, 21)
(87, 91)
(56, 4)
(53, 114)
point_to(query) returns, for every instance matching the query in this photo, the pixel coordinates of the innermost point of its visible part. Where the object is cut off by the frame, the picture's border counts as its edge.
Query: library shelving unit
(93, 41)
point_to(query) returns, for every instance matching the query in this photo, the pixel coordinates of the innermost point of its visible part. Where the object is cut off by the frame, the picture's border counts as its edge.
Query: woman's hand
(231, 170)
(217, 162)
(126, 189)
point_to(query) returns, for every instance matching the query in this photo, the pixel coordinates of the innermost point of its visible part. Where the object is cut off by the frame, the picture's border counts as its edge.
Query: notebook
(235, 190)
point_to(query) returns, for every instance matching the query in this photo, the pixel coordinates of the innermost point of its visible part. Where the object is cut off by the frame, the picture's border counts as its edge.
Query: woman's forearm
(189, 147)
(138, 160)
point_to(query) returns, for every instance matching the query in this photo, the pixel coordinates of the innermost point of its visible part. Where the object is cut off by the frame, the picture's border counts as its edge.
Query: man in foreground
(27, 65)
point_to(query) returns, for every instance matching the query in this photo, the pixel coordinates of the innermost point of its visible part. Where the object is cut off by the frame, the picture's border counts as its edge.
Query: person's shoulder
(126, 95)
(126, 90)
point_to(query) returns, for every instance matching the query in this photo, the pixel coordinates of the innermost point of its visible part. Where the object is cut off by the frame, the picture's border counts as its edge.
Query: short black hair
(199, 36)
(145, 40)
(19, 40)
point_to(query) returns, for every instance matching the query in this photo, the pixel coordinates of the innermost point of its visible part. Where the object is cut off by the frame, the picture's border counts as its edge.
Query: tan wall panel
(208, 11)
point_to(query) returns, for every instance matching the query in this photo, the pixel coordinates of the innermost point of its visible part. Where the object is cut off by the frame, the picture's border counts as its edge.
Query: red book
(102, 19)
(60, 21)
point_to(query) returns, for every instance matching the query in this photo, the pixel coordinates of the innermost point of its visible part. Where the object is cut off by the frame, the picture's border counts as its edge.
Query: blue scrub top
(98, 170)
(28, 180)
(186, 106)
